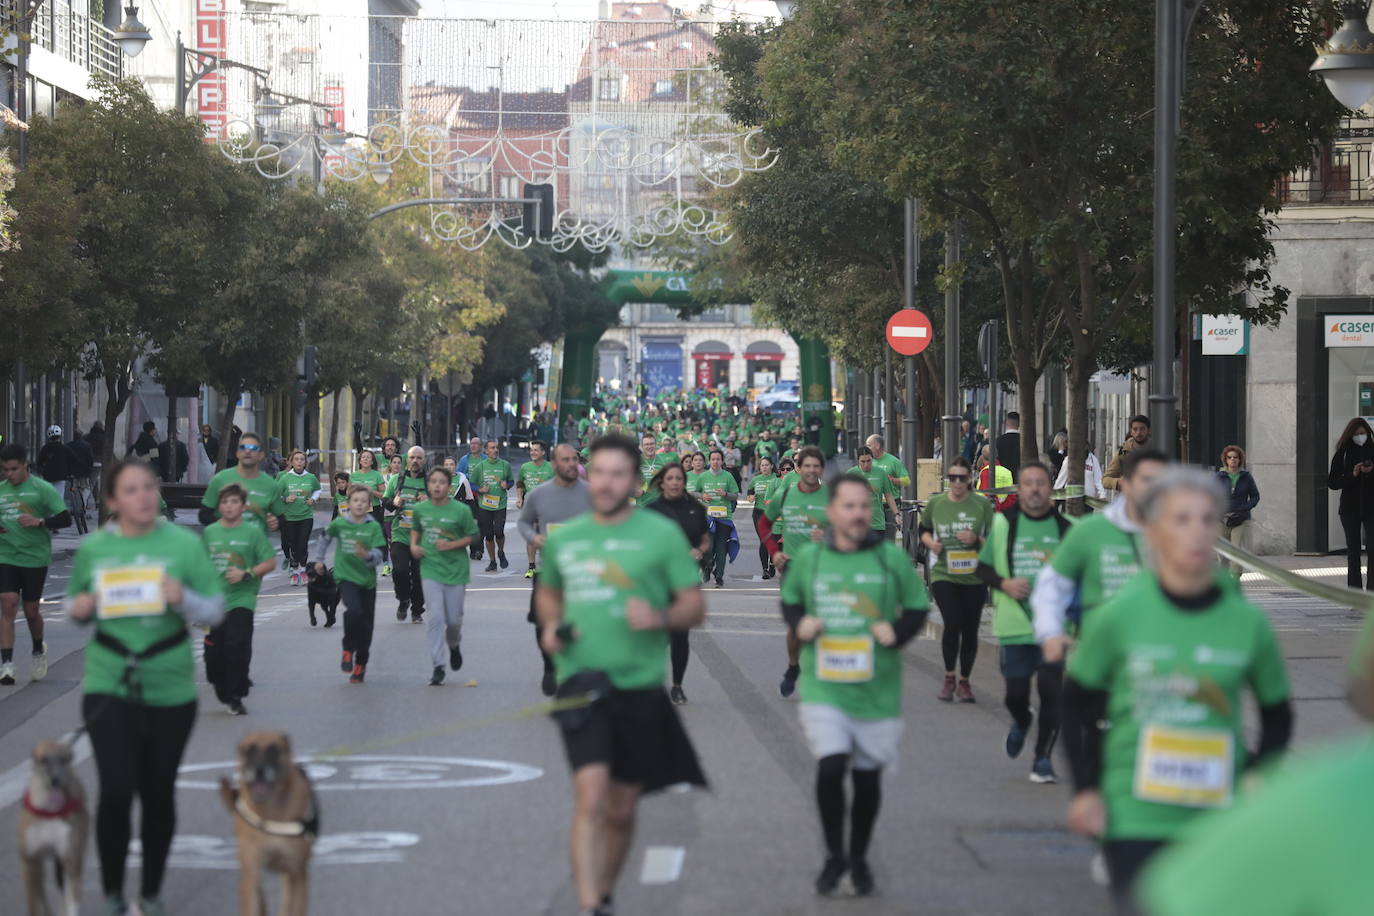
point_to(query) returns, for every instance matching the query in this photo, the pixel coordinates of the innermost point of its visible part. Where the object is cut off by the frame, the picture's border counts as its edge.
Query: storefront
(763, 361)
(711, 359)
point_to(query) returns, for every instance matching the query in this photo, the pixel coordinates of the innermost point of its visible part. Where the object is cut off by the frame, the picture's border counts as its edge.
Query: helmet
(54, 430)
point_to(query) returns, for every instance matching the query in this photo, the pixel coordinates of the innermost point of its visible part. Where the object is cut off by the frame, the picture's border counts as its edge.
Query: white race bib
(1192, 767)
(715, 511)
(961, 562)
(130, 591)
(844, 659)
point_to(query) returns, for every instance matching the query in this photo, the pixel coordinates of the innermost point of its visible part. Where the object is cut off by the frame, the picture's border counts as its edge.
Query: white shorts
(872, 743)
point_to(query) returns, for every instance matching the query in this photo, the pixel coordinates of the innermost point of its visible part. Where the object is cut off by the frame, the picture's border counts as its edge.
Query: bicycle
(75, 498)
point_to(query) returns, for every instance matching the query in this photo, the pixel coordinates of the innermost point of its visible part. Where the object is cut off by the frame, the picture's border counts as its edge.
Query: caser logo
(1352, 327)
(1222, 332)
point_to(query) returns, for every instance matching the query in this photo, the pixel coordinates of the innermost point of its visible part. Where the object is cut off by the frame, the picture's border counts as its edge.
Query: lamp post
(1346, 63)
(194, 64)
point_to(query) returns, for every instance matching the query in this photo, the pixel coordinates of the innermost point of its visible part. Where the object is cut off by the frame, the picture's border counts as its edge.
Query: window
(609, 89)
(663, 87)
(511, 186)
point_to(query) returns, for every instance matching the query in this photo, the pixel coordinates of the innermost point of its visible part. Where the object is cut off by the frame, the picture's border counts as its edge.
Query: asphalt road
(455, 800)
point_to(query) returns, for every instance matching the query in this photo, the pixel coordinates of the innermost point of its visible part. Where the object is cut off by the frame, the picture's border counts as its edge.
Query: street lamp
(1346, 63)
(132, 35)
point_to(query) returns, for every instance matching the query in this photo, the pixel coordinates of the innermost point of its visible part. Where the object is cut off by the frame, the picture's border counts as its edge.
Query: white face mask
(1359, 438)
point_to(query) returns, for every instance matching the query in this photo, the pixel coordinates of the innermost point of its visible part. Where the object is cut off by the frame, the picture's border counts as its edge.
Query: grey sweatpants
(444, 620)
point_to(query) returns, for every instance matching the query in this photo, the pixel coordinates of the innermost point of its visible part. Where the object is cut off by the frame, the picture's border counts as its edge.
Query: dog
(53, 825)
(276, 820)
(322, 590)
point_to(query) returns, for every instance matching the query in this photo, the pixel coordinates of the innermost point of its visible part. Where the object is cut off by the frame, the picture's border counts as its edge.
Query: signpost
(987, 353)
(909, 331)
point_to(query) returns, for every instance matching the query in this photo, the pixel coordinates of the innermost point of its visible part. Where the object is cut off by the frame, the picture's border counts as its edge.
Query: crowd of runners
(1117, 632)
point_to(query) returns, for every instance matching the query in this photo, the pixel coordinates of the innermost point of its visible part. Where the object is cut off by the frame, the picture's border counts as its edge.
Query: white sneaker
(39, 669)
(7, 674)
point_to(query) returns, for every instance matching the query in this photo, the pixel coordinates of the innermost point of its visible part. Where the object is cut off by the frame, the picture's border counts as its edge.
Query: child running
(443, 529)
(358, 554)
(243, 556)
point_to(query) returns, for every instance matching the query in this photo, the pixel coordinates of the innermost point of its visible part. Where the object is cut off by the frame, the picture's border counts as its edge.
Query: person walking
(1009, 445)
(439, 538)
(298, 490)
(358, 553)
(691, 515)
(138, 582)
(1352, 473)
(31, 509)
(1243, 497)
(405, 490)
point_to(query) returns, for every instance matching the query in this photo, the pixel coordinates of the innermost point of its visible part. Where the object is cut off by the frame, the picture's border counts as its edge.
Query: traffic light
(538, 216)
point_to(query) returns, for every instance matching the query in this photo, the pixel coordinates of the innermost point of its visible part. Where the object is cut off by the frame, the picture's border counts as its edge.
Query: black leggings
(961, 606)
(137, 753)
(678, 652)
(868, 796)
(359, 619)
(295, 541)
(764, 559)
(229, 654)
(1354, 526)
(405, 579)
(1125, 859)
(1049, 680)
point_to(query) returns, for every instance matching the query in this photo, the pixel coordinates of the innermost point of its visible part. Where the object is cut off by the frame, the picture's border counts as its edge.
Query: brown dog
(275, 822)
(53, 824)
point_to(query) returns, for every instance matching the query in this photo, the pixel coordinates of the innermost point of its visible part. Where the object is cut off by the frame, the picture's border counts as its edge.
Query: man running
(402, 493)
(546, 509)
(896, 472)
(614, 582)
(854, 600)
(718, 492)
(884, 492)
(265, 506)
(31, 509)
(492, 478)
(1020, 542)
(796, 516)
(532, 474)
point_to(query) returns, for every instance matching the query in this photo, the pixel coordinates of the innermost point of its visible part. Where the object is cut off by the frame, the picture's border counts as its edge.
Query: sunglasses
(249, 447)
(959, 478)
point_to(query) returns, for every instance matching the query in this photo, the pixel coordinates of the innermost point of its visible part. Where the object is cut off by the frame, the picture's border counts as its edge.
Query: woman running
(760, 485)
(369, 476)
(395, 466)
(690, 515)
(139, 581)
(298, 489)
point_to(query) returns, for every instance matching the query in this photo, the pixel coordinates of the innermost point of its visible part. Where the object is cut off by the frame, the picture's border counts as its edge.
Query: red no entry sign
(909, 331)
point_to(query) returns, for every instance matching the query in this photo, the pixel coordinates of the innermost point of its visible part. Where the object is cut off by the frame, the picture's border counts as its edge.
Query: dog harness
(307, 827)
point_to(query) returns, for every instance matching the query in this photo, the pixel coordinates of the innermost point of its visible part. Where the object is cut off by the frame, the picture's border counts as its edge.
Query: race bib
(130, 591)
(407, 518)
(1185, 766)
(491, 501)
(715, 511)
(962, 562)
(844, 659)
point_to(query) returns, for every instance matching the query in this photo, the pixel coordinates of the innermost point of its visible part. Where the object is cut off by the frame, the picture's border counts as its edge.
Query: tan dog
(53, 825)
(275, 822)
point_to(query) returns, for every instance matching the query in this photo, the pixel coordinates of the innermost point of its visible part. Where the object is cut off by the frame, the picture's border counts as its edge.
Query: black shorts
(27, 581)
(639, 735)
(491, 522)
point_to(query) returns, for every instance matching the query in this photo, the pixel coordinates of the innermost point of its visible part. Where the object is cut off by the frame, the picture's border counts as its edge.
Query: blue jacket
(1244, 495)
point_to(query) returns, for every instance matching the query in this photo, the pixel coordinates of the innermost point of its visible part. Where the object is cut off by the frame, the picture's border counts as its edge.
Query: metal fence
(65, 28)
(1339, 173)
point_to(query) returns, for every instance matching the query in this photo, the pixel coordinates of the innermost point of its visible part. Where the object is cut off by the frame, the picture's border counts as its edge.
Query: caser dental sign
(1349, 330)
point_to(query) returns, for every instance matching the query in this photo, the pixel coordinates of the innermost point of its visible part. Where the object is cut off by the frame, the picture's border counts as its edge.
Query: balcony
(65, 28)
(1339, 174)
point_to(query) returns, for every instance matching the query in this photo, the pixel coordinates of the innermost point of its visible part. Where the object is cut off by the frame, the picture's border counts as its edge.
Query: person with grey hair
(1165, 662)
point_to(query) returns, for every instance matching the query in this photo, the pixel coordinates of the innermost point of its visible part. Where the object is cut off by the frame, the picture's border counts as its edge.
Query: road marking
(372, 772)
(15, 781)
(662, 864)
(373, 847)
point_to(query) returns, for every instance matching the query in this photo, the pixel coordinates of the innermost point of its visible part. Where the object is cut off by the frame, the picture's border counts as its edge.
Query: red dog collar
(72, 805)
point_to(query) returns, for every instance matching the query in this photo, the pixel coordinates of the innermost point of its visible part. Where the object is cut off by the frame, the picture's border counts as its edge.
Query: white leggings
(443, 618)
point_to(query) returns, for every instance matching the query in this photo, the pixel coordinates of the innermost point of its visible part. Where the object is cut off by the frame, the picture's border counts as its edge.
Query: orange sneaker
(347, 664)
(357, 676)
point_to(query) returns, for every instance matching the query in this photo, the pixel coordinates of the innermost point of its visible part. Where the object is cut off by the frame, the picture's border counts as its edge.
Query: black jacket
(1244, 495)
(1357, 493)
(1009, 452)
(688, 513)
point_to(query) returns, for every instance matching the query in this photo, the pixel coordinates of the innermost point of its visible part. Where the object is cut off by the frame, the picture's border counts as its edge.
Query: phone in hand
(566, 633)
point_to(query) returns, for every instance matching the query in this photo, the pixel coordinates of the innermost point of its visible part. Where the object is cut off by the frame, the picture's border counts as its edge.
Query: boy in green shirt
(443, 528)
(359, 541)
(242, 555)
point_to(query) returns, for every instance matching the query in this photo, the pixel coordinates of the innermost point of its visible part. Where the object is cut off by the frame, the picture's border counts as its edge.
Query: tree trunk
(1081, 367)
(1027, 375)
(118, 388)
(170, 460)
(230, 402)
(334, 435)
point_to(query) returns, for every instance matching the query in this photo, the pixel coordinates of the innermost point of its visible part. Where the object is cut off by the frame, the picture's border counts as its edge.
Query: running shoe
(1016, 740)
(7, 674)
(491, 567)
(1042, 771)
(861, 876)
(236, 708)
(39, 668)
(789, 681)
(505, 564)
(401, 610)
(677, 696)
(114, 906)
(829, 878)
(417, 616)
(455, 657)
(549, 685)
(347, 664)
(437, 677)
(357, 676)
(964, 692)
(151, 906)
(768, 573)
(529, 573)
(720, 583)
(946, 694)
(386, 569)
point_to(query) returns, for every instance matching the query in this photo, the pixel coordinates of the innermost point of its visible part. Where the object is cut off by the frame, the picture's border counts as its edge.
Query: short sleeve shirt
(348, 566)
(240, 547)
(493, 475)
(27, 547)
(1100, 557)
(945, 517)
(263, 496)
(450, 522)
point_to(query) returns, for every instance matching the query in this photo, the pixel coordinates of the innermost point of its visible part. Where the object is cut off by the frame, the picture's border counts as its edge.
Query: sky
(551, 9)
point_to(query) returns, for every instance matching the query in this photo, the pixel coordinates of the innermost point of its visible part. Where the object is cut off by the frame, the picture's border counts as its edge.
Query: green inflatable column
(816, 390)
(579, 377)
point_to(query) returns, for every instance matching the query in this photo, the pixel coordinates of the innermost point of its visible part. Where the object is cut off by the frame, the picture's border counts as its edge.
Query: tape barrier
(1339, 595)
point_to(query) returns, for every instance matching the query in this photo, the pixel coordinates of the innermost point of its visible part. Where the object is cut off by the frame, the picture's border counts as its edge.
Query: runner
(492, 477)
(953, 528)
(718, 492)
(461, 488)
(31, 509)
(368, 476)
(1097, 558)
(796, 516)
(442, 530)
(759, 487)
(265, 507)
(854, 600)
(405, 490)
(243, 556)
(1165, 662)
(689, 514)
(532, 474)
(139, 580)
(298, 489)
(896, 473)
(358, 553)
(341, 484)
(884, 492)
(648, 464)
(1021, 542)
(613, 584)
(547, 508)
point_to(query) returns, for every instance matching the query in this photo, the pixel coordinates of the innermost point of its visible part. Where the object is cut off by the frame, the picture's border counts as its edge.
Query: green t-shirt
(761, 486)
(301, 486)
(845, 667)
(598, 568)
(1036, 541)
(373, 481)
(1298, 847)
(263, 496)
(1100, 557)
(765, 448)
(30, 548)
(715, 487)
(894, 469)
(242, 547)
(532, 475)
(449, 522)
(493, 475)
(957, 562)
(692, 480)
(1174, 680)
(348, 566)
(340, 502)
(795, 514)
(882, 488)
(405, 491)
(126, 575)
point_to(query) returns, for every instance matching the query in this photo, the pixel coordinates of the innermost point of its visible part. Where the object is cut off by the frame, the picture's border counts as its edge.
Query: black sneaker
(861, 876)
(437, 677)
(505, 564)
(491, 567)
(1016, 740)
(830, 875)
(401, 610)
(677, 696)
(789, 681)
(417, 616)
(236, 708)
(455, 657)
(768, 573)
(549, 684)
